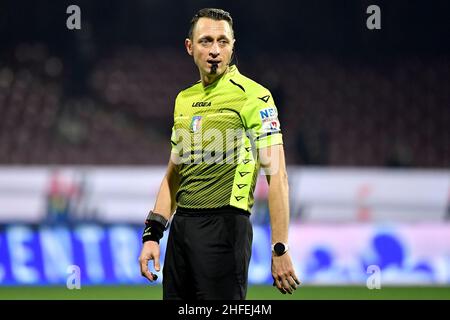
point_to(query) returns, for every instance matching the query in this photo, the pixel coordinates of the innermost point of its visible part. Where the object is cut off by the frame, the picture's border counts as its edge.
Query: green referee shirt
(216, 134)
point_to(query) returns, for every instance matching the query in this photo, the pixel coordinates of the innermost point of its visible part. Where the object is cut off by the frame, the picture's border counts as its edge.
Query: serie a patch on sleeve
(269, 119)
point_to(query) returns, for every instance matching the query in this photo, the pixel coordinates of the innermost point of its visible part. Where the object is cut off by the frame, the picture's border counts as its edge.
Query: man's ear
(188, 45)
(232, 51)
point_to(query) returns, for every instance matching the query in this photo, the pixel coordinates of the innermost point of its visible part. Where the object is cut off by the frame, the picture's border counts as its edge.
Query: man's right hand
(150, 251)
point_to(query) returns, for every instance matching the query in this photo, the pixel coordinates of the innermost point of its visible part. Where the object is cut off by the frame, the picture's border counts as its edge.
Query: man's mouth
(214, 65)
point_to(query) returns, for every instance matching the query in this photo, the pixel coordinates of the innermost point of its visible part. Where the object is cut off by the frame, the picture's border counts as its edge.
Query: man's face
(211, 46)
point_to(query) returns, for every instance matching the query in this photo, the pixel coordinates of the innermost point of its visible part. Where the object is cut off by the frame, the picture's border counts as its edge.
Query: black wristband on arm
(155, 224)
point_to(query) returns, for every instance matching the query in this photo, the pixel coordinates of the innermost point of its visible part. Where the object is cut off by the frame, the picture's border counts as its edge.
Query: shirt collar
(232, 70)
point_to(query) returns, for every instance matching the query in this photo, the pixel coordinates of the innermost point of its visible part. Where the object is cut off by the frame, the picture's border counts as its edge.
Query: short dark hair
(212, 13)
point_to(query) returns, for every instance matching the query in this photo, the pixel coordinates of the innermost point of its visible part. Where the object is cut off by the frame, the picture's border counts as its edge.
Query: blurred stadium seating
(332, 113)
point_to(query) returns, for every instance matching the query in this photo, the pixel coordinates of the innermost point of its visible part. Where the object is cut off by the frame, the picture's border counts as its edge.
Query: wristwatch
(280, 248)
(157, 217)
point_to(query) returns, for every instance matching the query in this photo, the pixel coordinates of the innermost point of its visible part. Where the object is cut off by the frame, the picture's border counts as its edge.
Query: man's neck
(209, 79)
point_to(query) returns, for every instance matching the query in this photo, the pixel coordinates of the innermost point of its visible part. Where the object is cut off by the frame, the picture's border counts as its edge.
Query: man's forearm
(279, 206)
(166, 200)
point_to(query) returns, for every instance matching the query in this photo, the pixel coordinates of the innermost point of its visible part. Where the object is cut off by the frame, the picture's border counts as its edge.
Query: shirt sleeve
(173, 137)
(173, 140)
(260, 118)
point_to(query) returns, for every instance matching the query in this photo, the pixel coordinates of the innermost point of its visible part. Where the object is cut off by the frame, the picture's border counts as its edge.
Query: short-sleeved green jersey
(216, 134)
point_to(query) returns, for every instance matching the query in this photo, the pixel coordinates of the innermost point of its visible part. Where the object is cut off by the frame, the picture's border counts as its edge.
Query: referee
(225, 129)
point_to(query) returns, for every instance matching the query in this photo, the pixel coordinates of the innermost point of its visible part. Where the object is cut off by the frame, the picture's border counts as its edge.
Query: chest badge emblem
(196, 123)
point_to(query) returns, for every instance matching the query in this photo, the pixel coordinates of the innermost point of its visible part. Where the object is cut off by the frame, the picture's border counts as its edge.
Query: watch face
(279, 248)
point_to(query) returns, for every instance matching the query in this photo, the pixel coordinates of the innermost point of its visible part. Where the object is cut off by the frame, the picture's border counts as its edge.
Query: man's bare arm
(165, 201)
(165, 205)
(274, 166)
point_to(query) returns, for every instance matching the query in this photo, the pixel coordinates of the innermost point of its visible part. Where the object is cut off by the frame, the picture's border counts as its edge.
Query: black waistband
(213, 211)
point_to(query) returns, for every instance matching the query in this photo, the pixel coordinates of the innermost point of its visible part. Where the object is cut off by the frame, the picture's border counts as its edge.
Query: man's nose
(214, 50)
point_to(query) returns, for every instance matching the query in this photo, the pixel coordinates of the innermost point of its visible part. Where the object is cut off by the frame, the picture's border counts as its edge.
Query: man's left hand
(283, 274)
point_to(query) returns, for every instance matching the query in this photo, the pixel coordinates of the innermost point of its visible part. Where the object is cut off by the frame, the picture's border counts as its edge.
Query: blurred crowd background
(347, 95)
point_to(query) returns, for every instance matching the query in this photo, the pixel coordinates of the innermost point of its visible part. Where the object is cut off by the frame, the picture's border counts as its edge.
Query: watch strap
(153, 216)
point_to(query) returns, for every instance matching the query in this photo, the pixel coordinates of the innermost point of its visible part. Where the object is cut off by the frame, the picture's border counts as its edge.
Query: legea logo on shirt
(196, 123)
(201, 104)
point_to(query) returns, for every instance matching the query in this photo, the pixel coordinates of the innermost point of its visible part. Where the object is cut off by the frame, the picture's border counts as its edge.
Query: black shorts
(207, 255)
